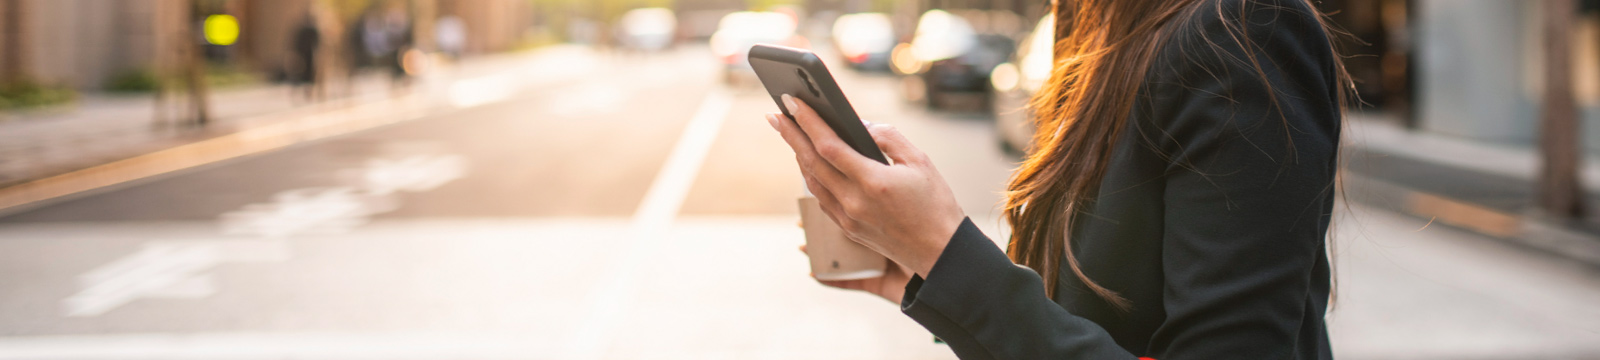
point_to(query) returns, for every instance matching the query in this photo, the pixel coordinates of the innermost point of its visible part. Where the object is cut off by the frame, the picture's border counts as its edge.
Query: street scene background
(575, 179)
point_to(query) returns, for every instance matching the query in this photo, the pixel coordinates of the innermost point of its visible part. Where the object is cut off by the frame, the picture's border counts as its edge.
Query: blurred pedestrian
(376, 40)
(1176, 205)
(194, 73)
(451, 35)
(391, 40)
(307, 42)
(355, 46)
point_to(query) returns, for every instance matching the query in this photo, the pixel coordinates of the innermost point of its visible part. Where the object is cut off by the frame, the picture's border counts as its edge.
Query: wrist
(934, 244)
(894, 291)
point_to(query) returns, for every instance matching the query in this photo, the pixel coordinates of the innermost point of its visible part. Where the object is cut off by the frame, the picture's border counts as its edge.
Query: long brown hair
(1102, 53)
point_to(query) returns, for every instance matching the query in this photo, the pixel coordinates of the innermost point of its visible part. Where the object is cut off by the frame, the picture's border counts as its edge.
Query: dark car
(950, 61)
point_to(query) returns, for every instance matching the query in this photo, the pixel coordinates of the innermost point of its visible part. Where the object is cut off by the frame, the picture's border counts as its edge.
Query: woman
(1177, 197)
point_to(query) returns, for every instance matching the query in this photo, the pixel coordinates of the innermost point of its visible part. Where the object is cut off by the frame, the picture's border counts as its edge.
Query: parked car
(648, 29)
(864, 40)
(950, 61)
(738, 31)
(1015, 82)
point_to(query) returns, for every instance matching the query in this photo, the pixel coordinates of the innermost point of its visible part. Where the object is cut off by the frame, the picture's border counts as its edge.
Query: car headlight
(1005, 77)
(904, 61)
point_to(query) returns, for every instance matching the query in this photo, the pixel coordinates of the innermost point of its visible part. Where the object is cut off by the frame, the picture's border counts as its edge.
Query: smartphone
(800, 73)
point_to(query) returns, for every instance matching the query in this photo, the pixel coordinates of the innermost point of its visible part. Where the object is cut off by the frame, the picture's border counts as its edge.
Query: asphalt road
(631, 207)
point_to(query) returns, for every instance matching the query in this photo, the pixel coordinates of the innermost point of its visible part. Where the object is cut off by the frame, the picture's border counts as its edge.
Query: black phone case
(785, 70)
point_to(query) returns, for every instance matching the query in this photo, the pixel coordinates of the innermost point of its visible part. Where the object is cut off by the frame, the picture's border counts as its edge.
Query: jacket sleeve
(986, 307)
(1249, 186)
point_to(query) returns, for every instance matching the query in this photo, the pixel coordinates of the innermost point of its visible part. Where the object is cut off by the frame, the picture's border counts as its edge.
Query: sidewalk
(100, 128)
(1486, 188)
(108, 140)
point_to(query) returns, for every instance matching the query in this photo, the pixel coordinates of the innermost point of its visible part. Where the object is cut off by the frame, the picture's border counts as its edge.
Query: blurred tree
(12, 41)
(1559, 193)
(767, 4)
(349, 10)
(883, 5)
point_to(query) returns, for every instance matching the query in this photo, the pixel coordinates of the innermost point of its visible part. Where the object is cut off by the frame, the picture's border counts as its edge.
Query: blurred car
(1015, 82)
(648, 29)
(738, 31)
(864, 40)
(950, 61)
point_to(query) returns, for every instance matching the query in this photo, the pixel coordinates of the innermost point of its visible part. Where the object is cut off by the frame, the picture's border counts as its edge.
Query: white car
(738, 31)
(864, 39)
(648, 29)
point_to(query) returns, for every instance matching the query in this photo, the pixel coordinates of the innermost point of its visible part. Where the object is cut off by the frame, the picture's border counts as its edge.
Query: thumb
(895, 145)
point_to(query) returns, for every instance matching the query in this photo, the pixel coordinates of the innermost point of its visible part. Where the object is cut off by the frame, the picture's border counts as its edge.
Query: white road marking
(177, 269)
(412, 174)
(164, 270)
(331, 210)
(671, 185)
(480, 90)
(611, 300)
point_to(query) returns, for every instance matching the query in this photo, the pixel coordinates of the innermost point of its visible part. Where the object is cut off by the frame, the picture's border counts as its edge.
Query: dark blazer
(1211, 217)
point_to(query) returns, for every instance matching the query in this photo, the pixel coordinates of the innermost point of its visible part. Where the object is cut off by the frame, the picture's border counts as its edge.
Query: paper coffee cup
(834, 256)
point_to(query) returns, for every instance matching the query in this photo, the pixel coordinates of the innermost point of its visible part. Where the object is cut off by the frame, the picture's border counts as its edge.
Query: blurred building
(83, 43)
(1471, 69)
(80, 43)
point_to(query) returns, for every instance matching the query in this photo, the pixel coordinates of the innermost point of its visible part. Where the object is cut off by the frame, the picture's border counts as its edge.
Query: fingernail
(772, 120)
(788, 101)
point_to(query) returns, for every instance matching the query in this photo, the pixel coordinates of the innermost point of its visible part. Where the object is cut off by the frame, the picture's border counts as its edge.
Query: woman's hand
(891, 286)
(904, 211)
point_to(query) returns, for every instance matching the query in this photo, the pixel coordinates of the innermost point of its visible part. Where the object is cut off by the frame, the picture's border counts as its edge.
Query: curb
(300, 127)
(1548, 235)
(508, 75)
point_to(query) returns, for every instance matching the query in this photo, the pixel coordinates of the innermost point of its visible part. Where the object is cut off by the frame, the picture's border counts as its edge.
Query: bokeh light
(221, 29)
